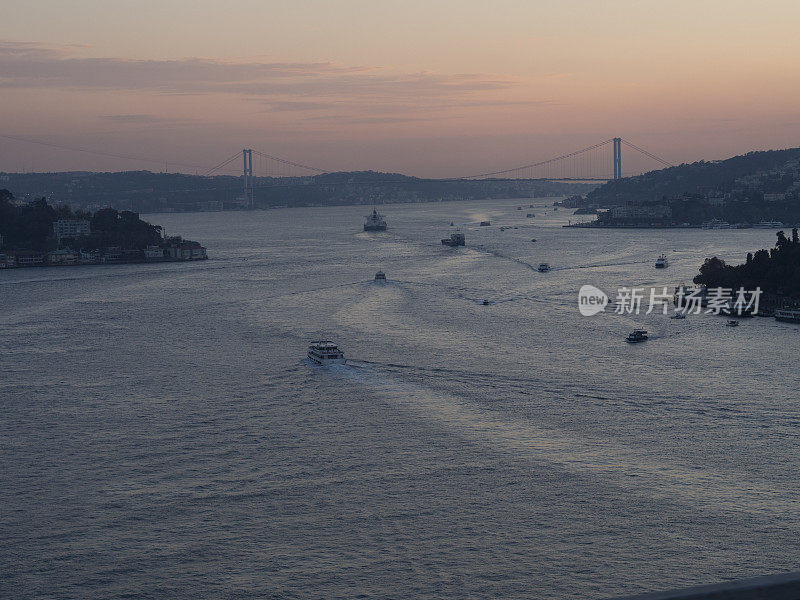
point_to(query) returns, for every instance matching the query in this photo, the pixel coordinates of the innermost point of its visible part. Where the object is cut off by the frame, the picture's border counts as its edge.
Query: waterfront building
(153, 253)
(29, 258)
(90, 257)
(62, 257)
(112, 254)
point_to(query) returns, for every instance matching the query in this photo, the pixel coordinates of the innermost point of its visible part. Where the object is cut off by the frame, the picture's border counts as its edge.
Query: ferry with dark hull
(637, 336)
(455, 239)
(375, 222)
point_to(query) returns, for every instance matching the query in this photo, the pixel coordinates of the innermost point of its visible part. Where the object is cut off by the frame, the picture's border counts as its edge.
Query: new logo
(591, 300)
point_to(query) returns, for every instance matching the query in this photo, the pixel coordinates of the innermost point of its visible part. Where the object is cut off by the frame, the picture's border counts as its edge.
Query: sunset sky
(425, 88)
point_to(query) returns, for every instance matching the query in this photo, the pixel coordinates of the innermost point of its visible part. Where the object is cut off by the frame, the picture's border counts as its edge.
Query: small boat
(543, 267)
(485, 223)
(375, 222)
(380, 276)
(787, 315)
(455, 239)
(486, 303)
(529, 216)
(732, 323)
(636, 336)
(662, 262)
(533, 239)
(325, 352)
(519, 208)
(451, 224)
(678, 315)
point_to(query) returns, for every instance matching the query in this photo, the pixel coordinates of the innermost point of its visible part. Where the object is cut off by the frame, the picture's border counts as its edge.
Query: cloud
(30, 65)
(139, 119)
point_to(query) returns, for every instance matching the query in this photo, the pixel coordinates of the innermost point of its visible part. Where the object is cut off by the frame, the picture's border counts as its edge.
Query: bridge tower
(617, 158)
(247, 177)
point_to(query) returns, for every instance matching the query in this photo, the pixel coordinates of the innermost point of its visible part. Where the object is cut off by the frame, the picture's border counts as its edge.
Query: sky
(428, 88)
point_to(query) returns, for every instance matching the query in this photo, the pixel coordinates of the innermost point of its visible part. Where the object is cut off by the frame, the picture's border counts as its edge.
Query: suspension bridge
(598, 162)
(593, 163)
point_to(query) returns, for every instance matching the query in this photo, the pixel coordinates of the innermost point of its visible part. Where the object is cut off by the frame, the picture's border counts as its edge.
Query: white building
(71, 228)
(153, 253)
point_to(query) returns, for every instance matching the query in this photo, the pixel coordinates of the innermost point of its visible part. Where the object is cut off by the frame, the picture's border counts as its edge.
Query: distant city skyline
(429, 89)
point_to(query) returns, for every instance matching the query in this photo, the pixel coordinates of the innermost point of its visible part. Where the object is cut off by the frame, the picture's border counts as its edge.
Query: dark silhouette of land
(775, 271)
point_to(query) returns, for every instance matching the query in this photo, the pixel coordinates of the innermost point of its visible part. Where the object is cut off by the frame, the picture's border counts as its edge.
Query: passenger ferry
(662, 262)
(768, 225)
(716, 224)
(543, 267)
(375, 222)
(325, 352)
(636, 336)
(380, 276)
(788, 315)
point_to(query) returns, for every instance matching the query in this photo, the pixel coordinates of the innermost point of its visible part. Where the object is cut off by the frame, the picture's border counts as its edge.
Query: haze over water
(163, 435)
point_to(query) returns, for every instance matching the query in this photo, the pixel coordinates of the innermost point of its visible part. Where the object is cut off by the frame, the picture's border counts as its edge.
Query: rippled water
(162, 435)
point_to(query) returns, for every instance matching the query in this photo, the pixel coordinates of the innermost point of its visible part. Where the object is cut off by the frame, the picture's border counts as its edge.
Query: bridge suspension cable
(539, 164)
(223, 164)
(290, 163)
(648, 154)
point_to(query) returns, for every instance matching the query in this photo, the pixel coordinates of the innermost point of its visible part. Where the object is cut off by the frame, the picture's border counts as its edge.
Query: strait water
(162, 435)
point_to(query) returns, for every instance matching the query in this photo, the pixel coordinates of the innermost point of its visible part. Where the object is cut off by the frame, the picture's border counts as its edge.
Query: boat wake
(603, 458)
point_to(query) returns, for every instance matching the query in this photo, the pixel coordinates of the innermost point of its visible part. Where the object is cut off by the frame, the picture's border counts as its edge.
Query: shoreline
(104, 263)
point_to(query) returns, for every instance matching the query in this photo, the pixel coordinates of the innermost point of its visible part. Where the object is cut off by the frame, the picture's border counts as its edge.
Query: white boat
(787, 315)
(768, 225)
(543, 267)
(374, 222)
(380, 276)
(716, 224)
(325, 352)
(636, 336)
(662, 262)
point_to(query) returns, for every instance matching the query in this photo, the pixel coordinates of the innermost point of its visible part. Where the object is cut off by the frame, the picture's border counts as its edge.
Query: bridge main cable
(288, 162)
(649, 154)
(538, 164)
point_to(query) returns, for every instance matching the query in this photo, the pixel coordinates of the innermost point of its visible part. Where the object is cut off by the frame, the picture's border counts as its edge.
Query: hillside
(144, 191)
(751, 172)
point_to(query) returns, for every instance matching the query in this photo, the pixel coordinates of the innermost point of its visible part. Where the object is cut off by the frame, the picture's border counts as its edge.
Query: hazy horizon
(430, 90)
